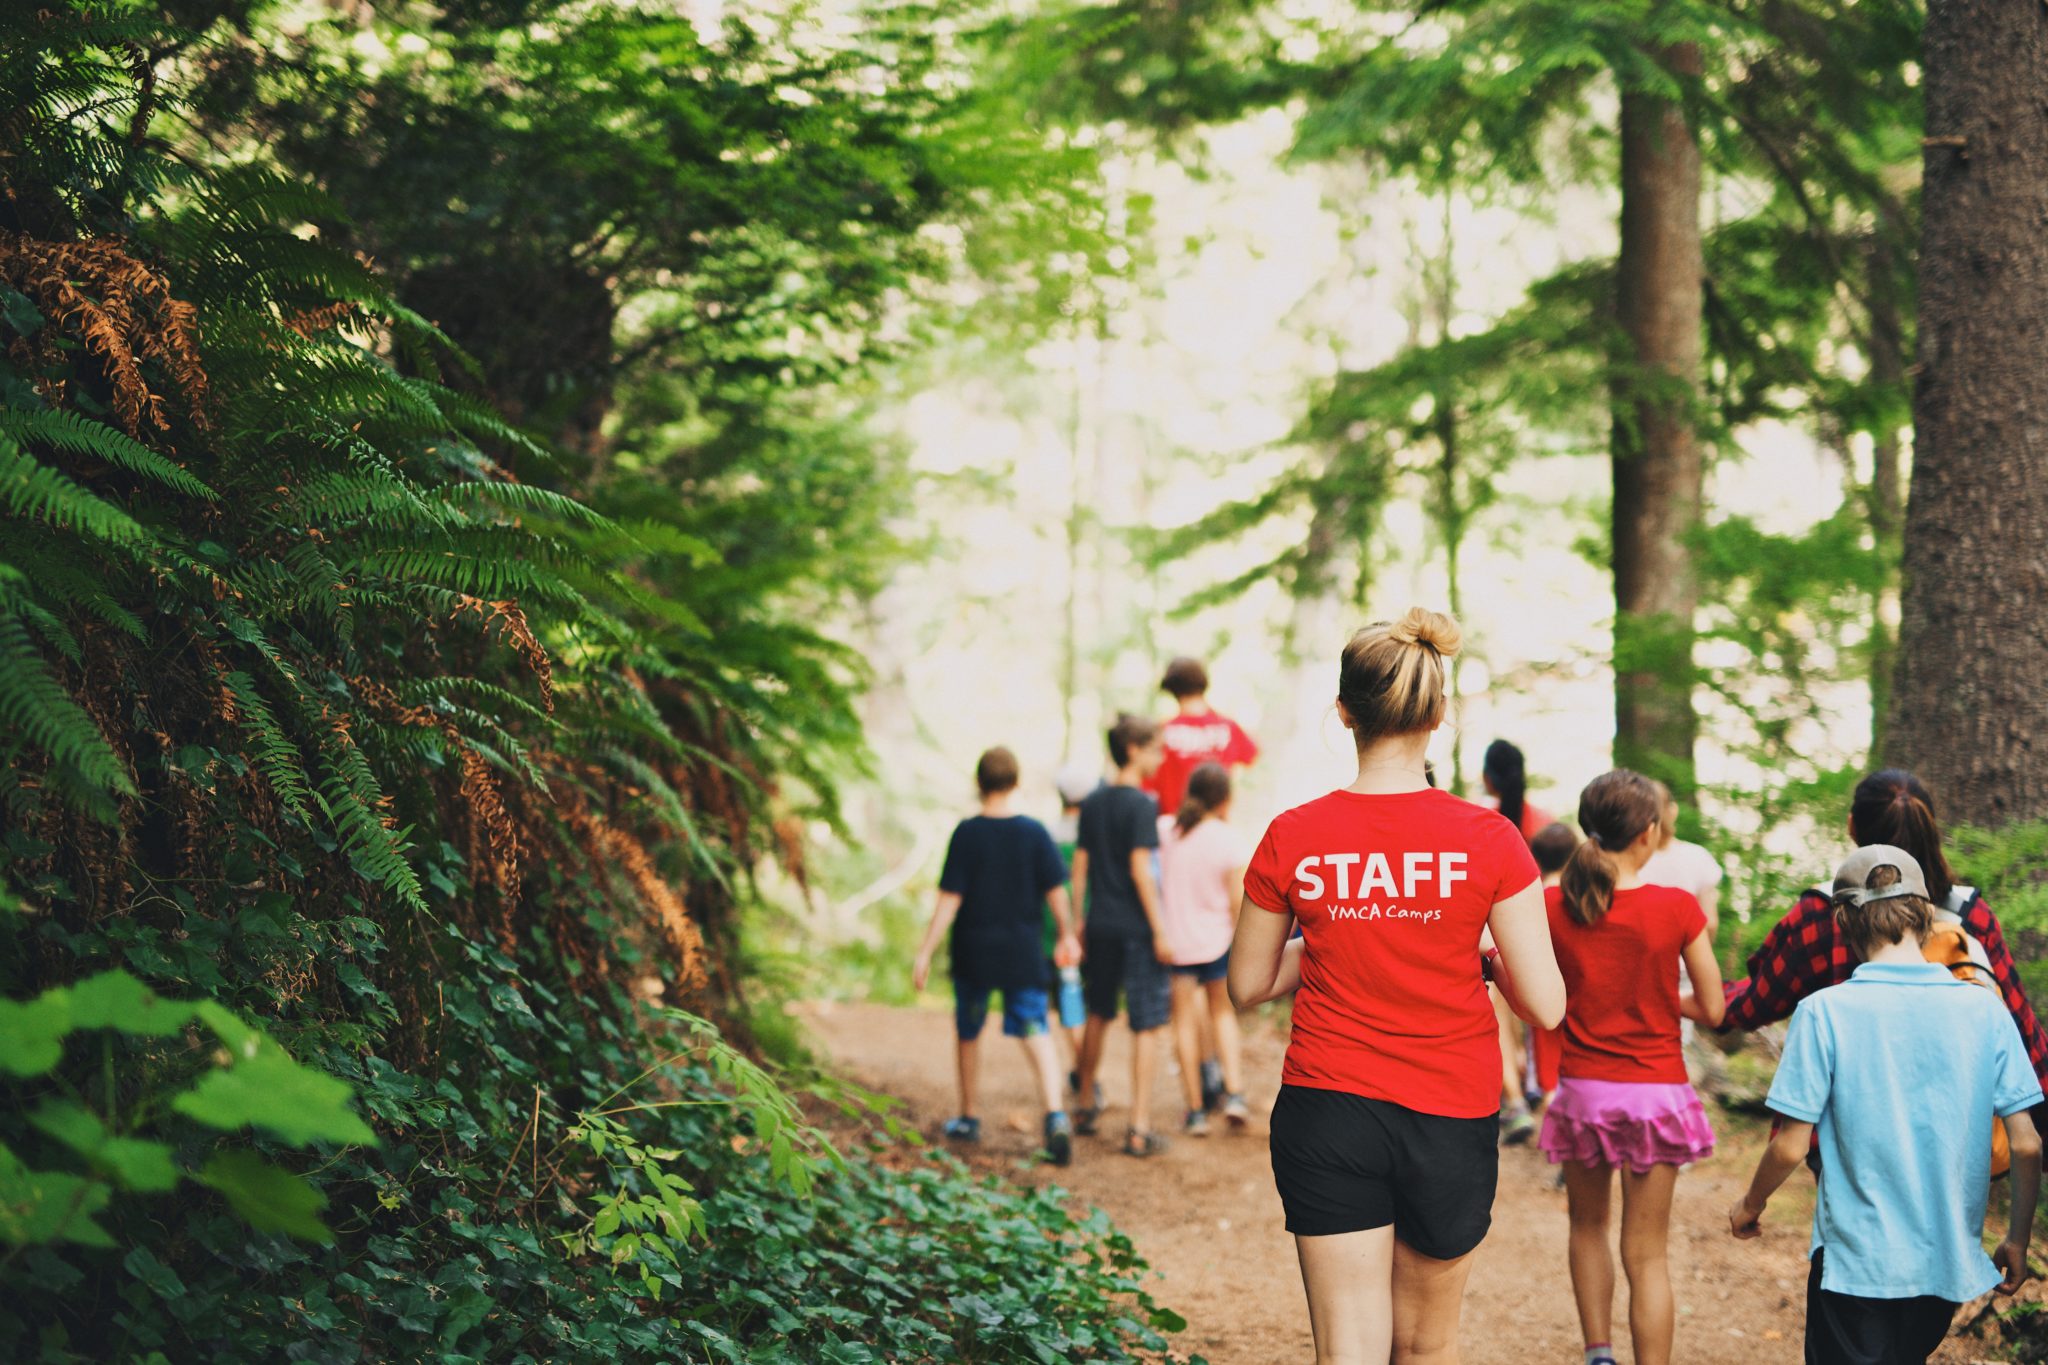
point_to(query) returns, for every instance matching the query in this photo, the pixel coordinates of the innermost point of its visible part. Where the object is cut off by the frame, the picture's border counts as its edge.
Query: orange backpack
(1948, 944)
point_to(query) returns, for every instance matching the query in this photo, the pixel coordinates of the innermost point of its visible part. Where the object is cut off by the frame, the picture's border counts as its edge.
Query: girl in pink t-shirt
(1202, 861)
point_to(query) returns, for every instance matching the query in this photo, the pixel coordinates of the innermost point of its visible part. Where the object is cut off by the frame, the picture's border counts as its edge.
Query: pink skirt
(1638, 1124)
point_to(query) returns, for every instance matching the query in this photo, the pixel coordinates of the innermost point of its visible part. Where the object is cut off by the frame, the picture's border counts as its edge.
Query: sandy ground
(1205, 1215)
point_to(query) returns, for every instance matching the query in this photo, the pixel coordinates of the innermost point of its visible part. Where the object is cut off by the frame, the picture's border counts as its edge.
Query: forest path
(1205, 1216)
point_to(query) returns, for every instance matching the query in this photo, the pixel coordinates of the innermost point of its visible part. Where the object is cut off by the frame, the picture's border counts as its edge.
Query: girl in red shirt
(1383, 1137)
(1623, 1101)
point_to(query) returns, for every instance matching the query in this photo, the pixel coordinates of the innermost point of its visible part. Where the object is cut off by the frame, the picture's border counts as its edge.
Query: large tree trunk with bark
(1658, 465)
(1970, 704)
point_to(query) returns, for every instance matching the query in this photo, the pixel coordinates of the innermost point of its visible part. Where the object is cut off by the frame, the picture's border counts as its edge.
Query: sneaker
(1085, 1119)
(962, 1129)
(1517, 1126)
(1196, 1124)
(1212, 1085)
(1059, 1139)
(1236, 1111)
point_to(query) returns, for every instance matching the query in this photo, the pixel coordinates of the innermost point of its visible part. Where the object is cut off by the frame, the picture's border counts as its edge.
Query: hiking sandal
(1142, 1144)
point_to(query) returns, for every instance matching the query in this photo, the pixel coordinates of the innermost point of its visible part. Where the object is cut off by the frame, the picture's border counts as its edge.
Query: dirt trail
(1205, 1216)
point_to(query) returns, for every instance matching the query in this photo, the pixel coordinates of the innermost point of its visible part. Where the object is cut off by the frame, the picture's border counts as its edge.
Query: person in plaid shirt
(1806, 952)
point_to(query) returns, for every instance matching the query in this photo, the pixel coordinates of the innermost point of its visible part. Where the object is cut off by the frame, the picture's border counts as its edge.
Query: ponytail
(1208, 788)
(1588, 883)
(1614, 810)
(1505, 767)
(1894, 807)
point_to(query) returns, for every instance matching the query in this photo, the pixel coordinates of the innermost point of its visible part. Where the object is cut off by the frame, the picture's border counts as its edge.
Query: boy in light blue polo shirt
(1901, 1068)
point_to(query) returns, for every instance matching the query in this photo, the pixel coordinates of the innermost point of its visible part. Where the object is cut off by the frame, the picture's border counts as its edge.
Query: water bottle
(1071, 1011)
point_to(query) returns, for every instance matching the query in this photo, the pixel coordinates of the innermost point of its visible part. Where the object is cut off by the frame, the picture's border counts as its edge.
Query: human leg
(1587, 1190)
(1229, 1038)
(1348, 1278)
(1428, 1298)
(1645, 1258)
(1148, 1003)
(1144, 1071)
(1187, 1039)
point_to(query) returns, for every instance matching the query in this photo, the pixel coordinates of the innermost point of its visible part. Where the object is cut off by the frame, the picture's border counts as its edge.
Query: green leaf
(271, 1091)
(32, 1032)
(49, 1206)
(269, 1198)
(117, 1000)
(132, 1163)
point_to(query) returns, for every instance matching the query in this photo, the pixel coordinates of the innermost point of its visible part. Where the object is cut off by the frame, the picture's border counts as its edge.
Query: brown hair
(1667, 805)
(1390, 676)
(996, 771)
(1185, 677)
(1129, 734)
(1208, 787)
(1893, 807)
(1614, 810)
(1553, 846)
(1879, 924)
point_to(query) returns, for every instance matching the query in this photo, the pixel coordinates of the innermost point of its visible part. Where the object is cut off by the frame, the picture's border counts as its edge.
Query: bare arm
(1710, 905)
(1264, 963)
(2011, 1256)
(1068, 951)
(1788, 1148)
(935, 933)
(1148, 898)
(1078, 875)
(1707, 1002)
(1527, 972)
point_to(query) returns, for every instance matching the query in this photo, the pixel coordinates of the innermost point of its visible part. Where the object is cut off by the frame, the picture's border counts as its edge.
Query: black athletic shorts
(1847, 1329)
(1344, 1163)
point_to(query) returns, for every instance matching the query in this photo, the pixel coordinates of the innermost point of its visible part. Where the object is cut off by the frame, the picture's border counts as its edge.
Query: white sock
(1600, 1354)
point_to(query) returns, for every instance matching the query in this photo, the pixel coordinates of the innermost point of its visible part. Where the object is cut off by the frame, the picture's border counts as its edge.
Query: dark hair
(1879, 924)
(1390, 676)
(1553, 846)
(1614, 810)
(1129, 734)
(1507, 770)
(1185, 677)
(1208, 787)
(1893, 807)
(996, 771)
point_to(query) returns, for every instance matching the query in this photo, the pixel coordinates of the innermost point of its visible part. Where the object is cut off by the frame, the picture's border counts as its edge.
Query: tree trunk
(1970, 705)
(1887, 501)
(1658, 467)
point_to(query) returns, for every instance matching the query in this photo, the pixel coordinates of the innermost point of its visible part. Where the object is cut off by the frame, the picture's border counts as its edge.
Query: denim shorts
(1024, 1010)
(1205, 972)
(1125, 965)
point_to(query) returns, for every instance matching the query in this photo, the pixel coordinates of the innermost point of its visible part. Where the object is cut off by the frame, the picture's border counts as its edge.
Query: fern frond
(68, 431)
(273, 752)
(36, 709)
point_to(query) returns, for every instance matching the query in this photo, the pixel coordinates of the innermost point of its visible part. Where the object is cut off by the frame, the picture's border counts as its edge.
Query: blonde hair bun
(1421, 626)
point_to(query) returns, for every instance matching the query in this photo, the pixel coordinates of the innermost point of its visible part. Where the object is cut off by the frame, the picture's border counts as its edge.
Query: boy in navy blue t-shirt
(1901, 1069)
(1002, 873)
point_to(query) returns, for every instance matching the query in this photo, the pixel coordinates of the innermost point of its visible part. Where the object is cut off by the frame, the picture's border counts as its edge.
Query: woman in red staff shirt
(1383, 1136)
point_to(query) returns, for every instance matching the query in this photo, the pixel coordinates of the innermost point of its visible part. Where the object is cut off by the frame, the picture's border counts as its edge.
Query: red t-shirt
(1621, 984)
(1391, 893)
(1190, 742)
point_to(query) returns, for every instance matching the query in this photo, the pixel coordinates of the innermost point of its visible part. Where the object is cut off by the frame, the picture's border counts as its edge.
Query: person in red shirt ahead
(1624, 1100)
(1383, 1136)
(1194, 735)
